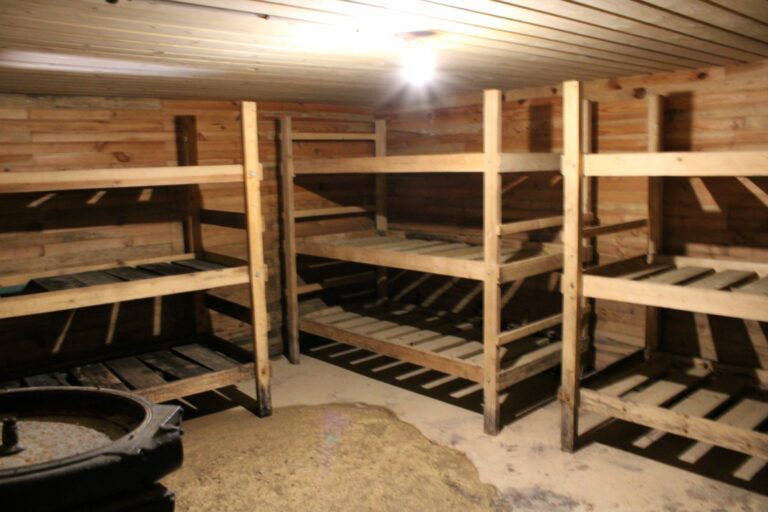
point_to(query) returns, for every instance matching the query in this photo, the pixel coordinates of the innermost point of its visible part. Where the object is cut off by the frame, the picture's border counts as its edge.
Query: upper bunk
(420, 254)
(440, 163)
(678, 164)
(736, 289)
(120, 177)
(59, 290)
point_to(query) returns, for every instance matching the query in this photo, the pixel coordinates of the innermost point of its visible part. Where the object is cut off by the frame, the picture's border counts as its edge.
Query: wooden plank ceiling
(349, 51)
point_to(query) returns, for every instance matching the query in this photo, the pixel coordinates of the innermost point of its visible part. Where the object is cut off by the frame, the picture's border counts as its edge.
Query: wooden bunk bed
(476, 350)
(707, 401)
(172, 370)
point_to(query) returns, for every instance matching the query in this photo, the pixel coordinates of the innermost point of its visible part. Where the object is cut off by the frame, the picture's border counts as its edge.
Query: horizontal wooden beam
(51, 181)
(680, 164)
(228, 308)
(468, 269)
(531, 364)
(299, 136)
(530, 267)
(332, 211)
(457, 162)
(198, 384)
(702, 429)
(336, 282)
(529, 329)
(760, 268)
(530, 162)
(48, 302)
(522, 226)
(592, 231)
(712, 302)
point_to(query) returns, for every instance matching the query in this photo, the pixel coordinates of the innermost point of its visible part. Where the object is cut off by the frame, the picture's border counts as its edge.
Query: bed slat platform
(433, 256)
(714, 287)
(435, 340)
(160, 375)
(118, 284)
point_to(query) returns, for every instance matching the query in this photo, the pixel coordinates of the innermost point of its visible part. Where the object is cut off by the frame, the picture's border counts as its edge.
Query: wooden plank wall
(706, 109)
(43, 231)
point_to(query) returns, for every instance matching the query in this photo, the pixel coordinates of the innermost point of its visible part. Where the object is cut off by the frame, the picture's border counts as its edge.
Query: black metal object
(148, 448)
(10, 444)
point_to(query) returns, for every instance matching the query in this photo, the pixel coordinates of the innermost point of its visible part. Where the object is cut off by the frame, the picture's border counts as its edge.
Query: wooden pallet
(436, 340)
(160, 375)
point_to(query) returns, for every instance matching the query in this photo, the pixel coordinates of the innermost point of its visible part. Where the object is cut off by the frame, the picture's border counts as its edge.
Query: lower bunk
(710, 405)
(159, 375)
(438, 340)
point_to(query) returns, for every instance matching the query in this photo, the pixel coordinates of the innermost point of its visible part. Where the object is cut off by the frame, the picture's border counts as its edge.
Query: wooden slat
(205, 357)
(298, 136)
(173, 365)
(592, 231)
(678, 164)
(119, 292)
(332, 211)
(97, 375)
(528, 329)
(530, 364)
(49, 181)
(135, 373)
(530, 225)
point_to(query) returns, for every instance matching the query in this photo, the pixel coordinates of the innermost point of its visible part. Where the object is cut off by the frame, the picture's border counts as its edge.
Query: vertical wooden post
(587, 195)
(573, 173)
(492, 254)
(291, 292)
(252, 176)
(186, 148)
(655, 213)
(382, 223)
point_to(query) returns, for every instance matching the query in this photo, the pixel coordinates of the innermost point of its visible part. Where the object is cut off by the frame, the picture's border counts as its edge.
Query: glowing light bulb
(418, 63)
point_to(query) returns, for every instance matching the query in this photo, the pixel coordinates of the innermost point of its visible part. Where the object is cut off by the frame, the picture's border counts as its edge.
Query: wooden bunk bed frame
(174, 371)
(487, 355)
(709, 402)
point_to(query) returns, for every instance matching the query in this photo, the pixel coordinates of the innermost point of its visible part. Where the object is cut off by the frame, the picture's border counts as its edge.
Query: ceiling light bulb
(418, 63)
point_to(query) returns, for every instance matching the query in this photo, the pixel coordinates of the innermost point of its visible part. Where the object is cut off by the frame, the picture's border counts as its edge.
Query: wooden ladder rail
(287, 182)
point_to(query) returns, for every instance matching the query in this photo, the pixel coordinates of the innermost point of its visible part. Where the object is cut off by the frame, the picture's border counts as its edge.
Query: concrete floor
(524, 461)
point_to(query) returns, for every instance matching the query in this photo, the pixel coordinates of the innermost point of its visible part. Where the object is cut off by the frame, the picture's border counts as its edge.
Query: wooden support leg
(492, 256)
(257, 269)
(572, 261)
(491, 405)
(291, 317)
